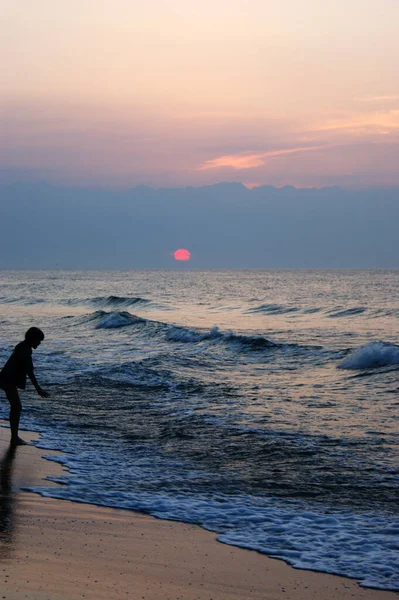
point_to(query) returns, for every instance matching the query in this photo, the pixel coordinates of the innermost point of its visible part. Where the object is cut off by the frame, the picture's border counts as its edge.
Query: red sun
(182, 254)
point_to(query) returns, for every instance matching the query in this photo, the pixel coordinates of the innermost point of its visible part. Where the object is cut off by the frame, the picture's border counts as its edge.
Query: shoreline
(62, 550)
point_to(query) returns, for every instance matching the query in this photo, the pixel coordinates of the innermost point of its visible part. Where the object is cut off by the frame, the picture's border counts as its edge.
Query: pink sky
(180, 92)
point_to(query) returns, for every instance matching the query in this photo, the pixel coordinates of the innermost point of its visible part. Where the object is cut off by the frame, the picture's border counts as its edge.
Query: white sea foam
(375, 354)
(360, 546)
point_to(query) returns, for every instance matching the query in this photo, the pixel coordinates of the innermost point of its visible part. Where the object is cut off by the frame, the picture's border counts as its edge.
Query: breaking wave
(173, 333)
(374, 354)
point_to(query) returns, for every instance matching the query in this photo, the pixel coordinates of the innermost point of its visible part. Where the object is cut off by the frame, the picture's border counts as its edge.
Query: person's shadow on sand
(6, 500)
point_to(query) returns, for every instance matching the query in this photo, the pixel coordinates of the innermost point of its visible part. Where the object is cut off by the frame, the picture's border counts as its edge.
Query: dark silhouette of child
(13, 376)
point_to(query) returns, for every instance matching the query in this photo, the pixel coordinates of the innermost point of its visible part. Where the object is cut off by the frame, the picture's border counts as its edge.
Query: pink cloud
(251, 161)
(75, 145)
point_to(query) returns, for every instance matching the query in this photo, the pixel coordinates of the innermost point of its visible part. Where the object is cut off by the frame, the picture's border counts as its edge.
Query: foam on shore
(62, 550)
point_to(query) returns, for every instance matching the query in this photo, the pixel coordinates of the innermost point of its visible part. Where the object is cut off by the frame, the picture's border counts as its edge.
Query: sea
(259, 404)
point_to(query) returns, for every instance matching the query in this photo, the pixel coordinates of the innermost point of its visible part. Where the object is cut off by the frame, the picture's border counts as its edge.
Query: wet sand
(60, 550)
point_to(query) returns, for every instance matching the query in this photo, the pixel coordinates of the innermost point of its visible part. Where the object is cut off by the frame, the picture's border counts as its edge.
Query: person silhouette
(13, 376)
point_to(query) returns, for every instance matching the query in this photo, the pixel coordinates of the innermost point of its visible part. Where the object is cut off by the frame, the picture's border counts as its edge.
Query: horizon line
(250, 187)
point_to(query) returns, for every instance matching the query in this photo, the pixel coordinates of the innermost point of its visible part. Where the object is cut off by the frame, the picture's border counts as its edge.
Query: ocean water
(261, 404)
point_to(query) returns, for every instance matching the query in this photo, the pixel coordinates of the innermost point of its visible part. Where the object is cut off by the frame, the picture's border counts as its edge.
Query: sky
(174, 93)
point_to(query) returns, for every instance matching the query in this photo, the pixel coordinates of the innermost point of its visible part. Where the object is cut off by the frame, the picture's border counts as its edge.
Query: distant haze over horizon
(9, 179)
(223, 226)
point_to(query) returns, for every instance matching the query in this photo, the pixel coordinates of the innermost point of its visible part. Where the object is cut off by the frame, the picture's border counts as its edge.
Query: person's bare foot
(18, 442)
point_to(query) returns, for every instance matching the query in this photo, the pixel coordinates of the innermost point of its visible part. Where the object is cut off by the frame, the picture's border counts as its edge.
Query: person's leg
(15, 413)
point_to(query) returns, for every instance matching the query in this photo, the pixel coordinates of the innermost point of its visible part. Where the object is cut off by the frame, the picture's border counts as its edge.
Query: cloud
(251, 161)
(238, 161)
(386, 98)
(382, 121)
(70, 144)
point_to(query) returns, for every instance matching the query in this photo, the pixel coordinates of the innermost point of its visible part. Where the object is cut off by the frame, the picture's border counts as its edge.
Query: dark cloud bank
(224, 226)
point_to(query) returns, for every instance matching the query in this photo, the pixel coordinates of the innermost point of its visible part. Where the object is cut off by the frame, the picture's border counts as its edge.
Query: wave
(374, 354)
(335, 312)
(22, 300)
(95, 302)
(109, 320)
(173, 333)
(386, 312)
(274, 309)
(188, 336)
(347, 312)
(127, 374)
(182, 334)
(253, 341)
(280, 309)
(109, 301)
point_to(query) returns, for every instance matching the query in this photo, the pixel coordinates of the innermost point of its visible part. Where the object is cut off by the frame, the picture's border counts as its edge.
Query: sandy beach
(60, 550)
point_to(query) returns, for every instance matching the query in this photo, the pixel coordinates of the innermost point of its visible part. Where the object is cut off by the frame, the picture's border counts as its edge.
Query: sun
(182, 254)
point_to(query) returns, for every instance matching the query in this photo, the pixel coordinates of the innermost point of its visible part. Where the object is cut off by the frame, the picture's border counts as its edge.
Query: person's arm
(31, 375)
(39, 390)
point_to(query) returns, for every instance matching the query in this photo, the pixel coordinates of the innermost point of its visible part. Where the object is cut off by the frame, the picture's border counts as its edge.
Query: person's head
(34, 336)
